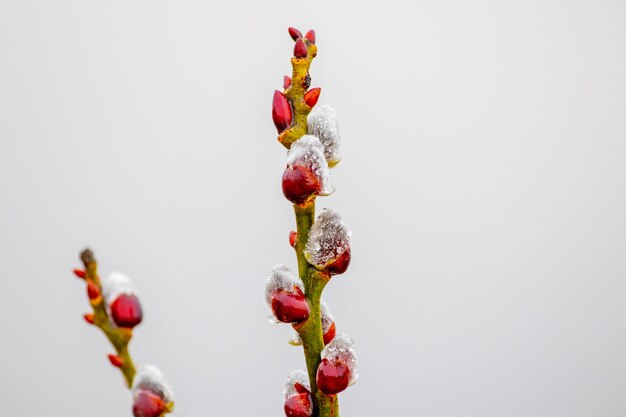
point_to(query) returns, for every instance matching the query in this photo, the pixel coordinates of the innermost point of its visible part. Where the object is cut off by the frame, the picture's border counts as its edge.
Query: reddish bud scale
(310, 36)
(311, 96)
(93, 291)
(299, 406)
(148, 404)
(116, 361)
(330, 334)
(281, 111)
(89, 318)
(332, 376)
(126, 311)
(294, 33)
(340, 265)
(290, 307)
(286, 82)
(293, 236)
(301, 388)
(299, 49)
(79, 273)
(300, 184)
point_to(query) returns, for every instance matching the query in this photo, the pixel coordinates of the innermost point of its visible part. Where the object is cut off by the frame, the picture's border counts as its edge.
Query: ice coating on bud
(308, 151)
(149, 378)
(342, 348)
(297, 377)
(327, 321)
(116, 284)
(329, 240)
(284, 294)
(281, 278)
(322, 123)
(123, 306)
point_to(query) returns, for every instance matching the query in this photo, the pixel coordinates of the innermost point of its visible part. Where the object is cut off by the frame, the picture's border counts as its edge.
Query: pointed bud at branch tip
(286, 82)
(79, 273)
(293, 237)
(310, 36)
(116, 360)
(89, 318)
(311, 96)
(299, 49)
(281, 111)
(294, 33)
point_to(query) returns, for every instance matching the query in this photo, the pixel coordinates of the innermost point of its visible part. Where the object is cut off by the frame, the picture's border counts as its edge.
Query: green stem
(118, 336)
(311, 330)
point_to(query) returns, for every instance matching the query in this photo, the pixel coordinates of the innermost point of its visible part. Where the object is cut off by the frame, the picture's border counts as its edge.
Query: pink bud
(294, 33)
(126, 311)
(333, 376)
(147, 404)
(290, 307)
(281, 111)
(89, 318)
(310, 36)
(300, 184)
(79, 273)
(286, 82)
(299, 49)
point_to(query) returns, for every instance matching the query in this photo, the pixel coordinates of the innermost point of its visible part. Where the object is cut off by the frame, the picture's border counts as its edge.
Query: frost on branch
(328, 246)
(322, 123)
(284, 294)
(308, 151)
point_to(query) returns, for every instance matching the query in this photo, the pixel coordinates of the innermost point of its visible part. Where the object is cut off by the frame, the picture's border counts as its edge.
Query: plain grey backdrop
(484, 179)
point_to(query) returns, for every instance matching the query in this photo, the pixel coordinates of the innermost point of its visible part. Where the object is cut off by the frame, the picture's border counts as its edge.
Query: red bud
(311, 96)
(293, 236)
(300, 184)
(89, 318)
(148, 404)
(299, 406)
(310, 36)
(92, 290)
(290, 307)
(286, 82)
(294, 33)
(299, 49)
(281, 111)
(340, 264)
(126, 311)
(116, 361)
(333, 376)
(79, 273)
(330, 334)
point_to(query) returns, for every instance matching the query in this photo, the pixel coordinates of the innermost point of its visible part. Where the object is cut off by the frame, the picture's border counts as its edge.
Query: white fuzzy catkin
(328, 239)
(150, 378)
(342, 347)
(116, 284)
(296, 377)
(308, 151)
(322, 123)
(280, 278)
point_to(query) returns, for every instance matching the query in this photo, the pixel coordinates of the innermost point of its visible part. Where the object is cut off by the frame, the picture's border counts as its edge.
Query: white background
(484, 179)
